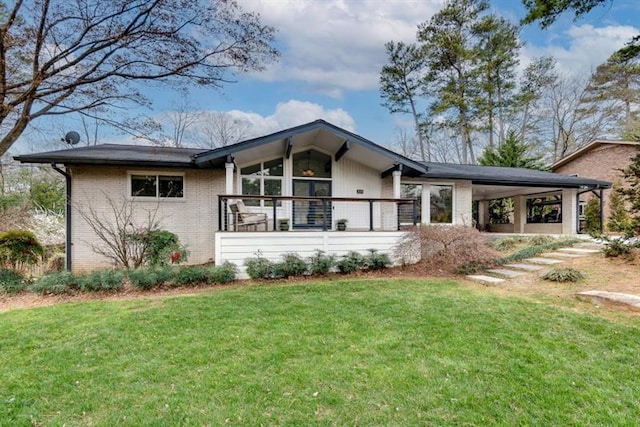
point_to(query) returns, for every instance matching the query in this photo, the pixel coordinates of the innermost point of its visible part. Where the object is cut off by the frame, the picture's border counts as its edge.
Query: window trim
(262, 178)
(157, 174)
(453, 202)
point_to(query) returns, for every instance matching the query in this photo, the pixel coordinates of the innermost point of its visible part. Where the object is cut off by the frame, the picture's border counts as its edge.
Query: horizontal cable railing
(239, 212)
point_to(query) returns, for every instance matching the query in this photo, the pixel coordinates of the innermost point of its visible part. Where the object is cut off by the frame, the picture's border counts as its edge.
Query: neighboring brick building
(602, 160)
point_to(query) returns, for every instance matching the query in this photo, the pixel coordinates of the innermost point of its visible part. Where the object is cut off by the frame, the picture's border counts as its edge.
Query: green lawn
(351, 352)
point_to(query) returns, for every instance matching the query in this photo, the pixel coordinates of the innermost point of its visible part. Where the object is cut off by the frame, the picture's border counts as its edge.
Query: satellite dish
(72, 138)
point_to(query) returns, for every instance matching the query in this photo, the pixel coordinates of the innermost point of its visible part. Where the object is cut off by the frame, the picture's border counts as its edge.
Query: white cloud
(338, 45)
(584, 48)
(292, 113)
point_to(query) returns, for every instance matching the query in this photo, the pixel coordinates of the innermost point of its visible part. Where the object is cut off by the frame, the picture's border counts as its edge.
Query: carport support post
(483, 214)
(569, 210)
(519, 214)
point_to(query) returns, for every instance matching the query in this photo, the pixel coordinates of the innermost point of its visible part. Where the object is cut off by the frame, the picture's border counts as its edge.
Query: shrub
(11, 282)
(619, 220)
(148, 278)
(103, 280)
(19, 248)
(290, 265)
(470, 268)
(540, 240)
(376, 260)
(259, 267)
(351, 262)
(56, 284)
(444, 248)
(566, 274)
(224, 273)
(163, 248)
(321, 263)
(614, 248)
(504, 244)
(532, 251)
(592, 216)
(191, 275)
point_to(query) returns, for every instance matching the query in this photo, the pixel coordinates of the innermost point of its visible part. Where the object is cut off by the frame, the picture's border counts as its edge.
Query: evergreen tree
(631, 193)
(513, 153)
(592, 216)
(400, 85)
(619, 220)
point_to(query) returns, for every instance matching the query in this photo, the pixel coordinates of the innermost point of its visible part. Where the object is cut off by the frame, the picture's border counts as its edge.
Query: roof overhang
(117, 155)
(338, 142)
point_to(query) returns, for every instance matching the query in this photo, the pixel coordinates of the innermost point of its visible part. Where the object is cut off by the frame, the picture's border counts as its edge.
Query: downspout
(67, 215)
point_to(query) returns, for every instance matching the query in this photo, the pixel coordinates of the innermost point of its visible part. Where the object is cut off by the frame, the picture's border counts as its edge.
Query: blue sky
(332, 52)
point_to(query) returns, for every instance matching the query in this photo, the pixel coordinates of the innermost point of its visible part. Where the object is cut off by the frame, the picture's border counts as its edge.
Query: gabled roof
(496, 175)
(591, 146)
(218, 156)
(115, 154)
(319, 132)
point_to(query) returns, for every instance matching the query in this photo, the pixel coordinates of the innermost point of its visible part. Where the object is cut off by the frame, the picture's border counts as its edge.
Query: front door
(311, 214)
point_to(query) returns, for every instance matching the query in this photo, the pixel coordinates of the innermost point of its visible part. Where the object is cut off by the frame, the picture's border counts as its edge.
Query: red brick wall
(601, 163)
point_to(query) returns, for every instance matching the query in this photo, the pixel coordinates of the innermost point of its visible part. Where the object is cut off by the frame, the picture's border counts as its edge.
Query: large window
(311, 164)
(544, 209)
(157, 186)
(441, 204)
(411, 191)
(262, 179)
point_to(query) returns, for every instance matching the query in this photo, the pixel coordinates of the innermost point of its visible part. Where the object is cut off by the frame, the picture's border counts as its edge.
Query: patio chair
(243, 219)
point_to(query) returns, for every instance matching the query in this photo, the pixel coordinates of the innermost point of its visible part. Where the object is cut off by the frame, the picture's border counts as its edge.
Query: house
(601, 160)
(313, 175)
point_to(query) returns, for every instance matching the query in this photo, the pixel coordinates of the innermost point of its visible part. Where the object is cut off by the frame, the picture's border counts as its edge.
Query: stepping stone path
(485, 279)
(544, 261)
(509, 271)
(505, 272)
(632, 301)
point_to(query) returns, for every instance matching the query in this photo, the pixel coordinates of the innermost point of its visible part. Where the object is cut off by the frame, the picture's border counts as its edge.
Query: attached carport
(524, 186)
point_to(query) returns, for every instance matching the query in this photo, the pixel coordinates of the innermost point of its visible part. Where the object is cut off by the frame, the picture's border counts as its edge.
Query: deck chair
(244, 220)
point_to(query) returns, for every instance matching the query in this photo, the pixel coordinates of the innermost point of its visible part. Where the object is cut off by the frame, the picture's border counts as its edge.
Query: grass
(350, 352)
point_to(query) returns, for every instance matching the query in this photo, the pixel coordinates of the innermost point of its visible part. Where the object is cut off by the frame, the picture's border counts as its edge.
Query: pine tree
(513, 153)
(631, 193)
(619, 220)
(592, 216)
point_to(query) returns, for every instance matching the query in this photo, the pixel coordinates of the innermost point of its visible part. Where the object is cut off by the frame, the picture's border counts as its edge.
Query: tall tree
(536, 78)
(59, 57)
(548, 11)
(400, 85)
(448, 40)
(497, 52)
(615, 85)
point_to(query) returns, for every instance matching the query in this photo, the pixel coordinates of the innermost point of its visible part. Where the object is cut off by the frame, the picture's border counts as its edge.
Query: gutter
(67, 215)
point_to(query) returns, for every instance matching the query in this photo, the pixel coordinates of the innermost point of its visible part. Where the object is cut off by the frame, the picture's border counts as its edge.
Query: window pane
(272, 187)
(143, 185)
(251, 186)
(251, 170)
(171, 186)
(273, 168)
(410, 191)
(441, 204)
(312, 164)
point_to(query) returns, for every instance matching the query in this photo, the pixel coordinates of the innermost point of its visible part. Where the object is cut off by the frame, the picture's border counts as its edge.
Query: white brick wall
(193, 218)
